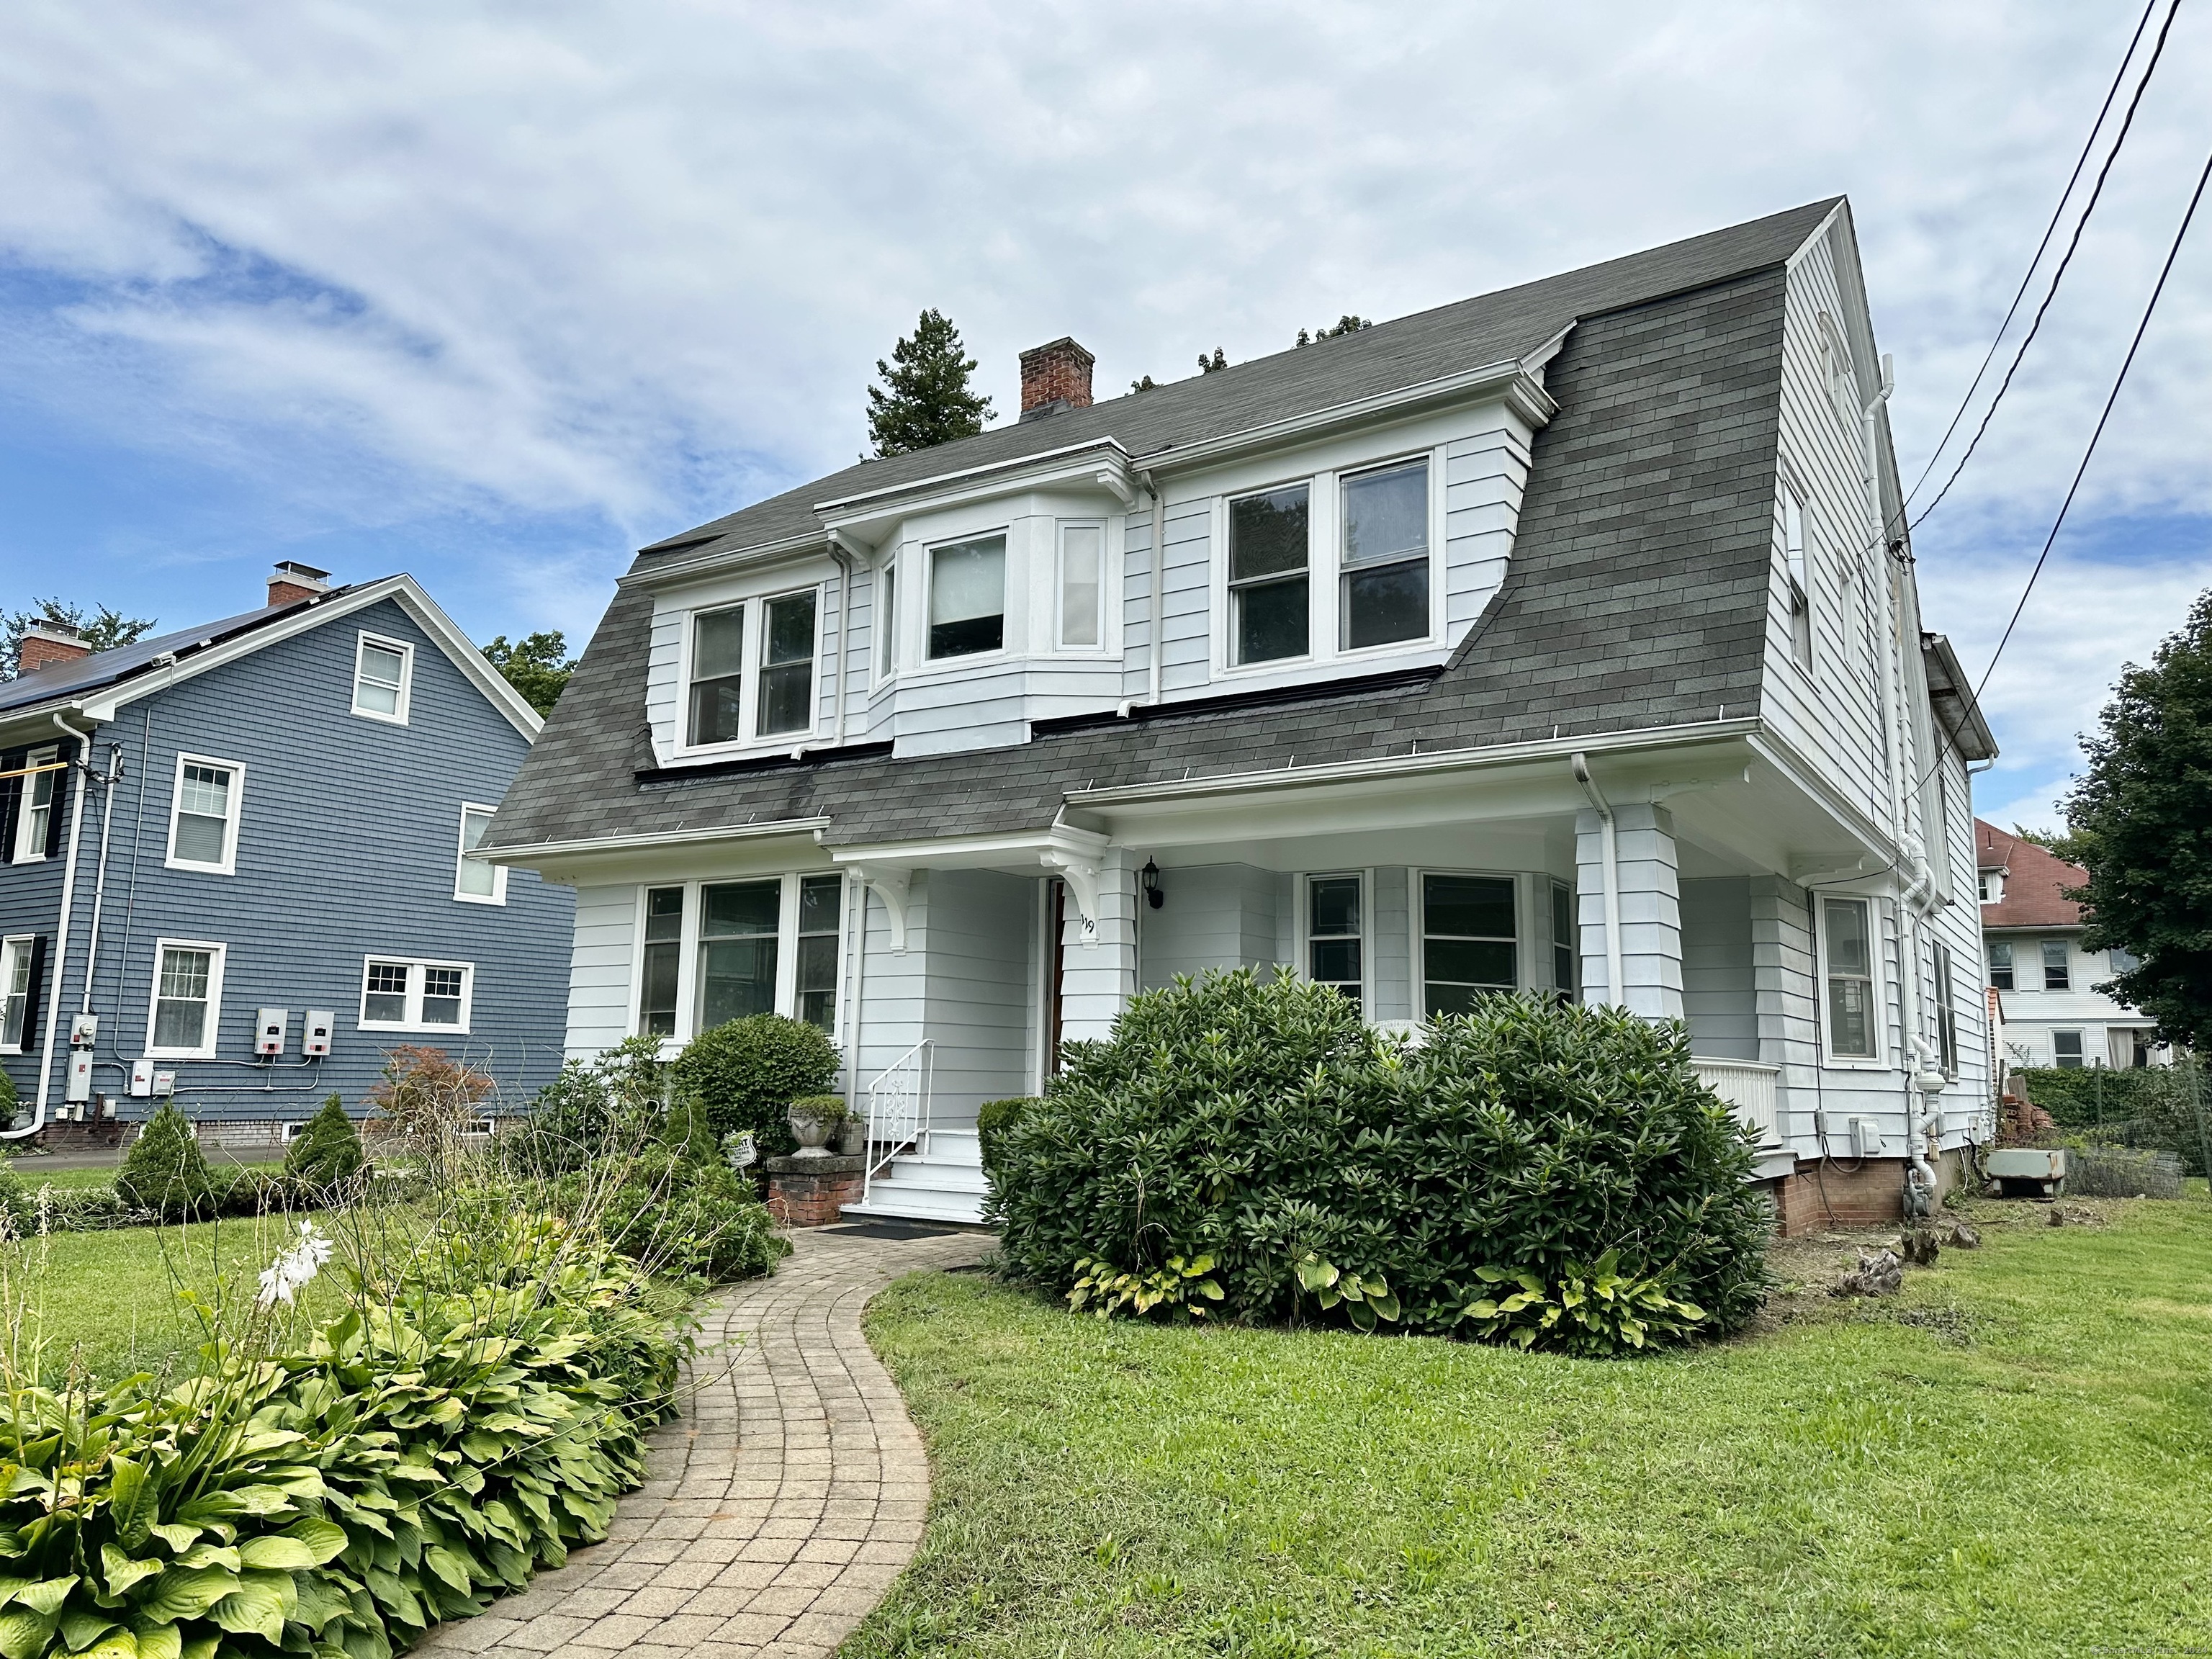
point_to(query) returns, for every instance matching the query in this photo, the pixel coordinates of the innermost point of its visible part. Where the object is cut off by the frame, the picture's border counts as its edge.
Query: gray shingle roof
(1636, 595)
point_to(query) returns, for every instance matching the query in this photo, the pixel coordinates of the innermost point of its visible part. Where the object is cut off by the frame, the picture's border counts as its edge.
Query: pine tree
(926, 399)
(165, 1171)
(327, 1153)
(1214, 364)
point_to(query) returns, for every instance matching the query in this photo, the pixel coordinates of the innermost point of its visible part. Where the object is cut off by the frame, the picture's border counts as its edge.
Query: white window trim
(27, 944)
(28, 849)
(919, 663)
(756, 658)
(1878, 975)
(1305, 878)
(416, 981)
(1798, 584)
(211, 1032)
(688, 943)
(1325, 568)
(406, 651)
(884, 650)
(461, 860)
(2081, 1034)
(1417, 927)
(236, 807)
(1107, 645)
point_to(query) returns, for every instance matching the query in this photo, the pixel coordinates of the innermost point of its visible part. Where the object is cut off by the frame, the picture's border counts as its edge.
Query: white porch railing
(1752, 1088)
(898, 1110)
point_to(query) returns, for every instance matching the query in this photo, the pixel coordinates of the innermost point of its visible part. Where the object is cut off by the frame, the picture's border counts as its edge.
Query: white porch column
(1098, 976)
(1650, 909)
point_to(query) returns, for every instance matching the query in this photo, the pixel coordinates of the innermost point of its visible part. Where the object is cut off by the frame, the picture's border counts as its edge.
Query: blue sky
(494, 294)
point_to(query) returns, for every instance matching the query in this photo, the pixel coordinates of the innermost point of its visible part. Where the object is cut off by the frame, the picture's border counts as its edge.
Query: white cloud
(638, 261)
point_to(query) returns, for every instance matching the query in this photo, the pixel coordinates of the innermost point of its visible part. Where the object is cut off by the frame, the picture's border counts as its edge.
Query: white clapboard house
(1550, 639)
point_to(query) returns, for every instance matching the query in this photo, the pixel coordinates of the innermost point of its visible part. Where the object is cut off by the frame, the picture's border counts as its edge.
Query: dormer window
(733, 702)
(1267, 575)
(1386, 556)
(968, 597)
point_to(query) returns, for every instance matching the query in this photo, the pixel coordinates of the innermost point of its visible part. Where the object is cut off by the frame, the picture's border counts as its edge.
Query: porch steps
(944, 1182)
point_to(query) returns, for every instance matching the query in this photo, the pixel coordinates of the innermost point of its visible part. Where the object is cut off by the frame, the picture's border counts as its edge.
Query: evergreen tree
(1347, 323)
(102, 630)
(1214, 364)
(327, 1153)
(537, 666)
(165, 1171)
(2141, 823)
(926, 399)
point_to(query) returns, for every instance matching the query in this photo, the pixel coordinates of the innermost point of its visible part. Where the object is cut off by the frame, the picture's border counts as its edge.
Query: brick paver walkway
(780, 1506)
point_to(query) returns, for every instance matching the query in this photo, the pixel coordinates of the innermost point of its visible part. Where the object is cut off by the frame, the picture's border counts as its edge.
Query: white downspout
(61, 939)
(100, 869)
(1609, 866)
(844, 630)
(1155, 601)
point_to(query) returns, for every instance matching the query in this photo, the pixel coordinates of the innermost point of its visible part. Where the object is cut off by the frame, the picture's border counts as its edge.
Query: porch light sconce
(1154, 896)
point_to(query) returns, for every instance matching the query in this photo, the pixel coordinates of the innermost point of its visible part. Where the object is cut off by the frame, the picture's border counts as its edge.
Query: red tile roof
(2032, 879)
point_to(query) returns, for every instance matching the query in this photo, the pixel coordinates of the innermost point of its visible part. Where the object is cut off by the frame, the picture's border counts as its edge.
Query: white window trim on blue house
(417, 976)
(397, 716)
(464, 862)
(234, 814)
(30, 848)
(211, 1027)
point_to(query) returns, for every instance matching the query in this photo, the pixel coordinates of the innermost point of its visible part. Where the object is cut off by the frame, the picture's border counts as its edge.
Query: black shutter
(62, 783)
(11, 802)
(34, 992)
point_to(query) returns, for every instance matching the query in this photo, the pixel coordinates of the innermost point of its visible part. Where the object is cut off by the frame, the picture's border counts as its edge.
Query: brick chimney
(1056, 377)
(292, 580)
(49, 641)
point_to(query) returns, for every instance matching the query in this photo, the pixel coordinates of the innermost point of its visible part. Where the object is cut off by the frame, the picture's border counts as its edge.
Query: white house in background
(1550, 640)
(2046, 983)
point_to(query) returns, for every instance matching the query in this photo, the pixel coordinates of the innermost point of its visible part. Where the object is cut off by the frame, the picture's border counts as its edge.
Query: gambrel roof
(1636, 597)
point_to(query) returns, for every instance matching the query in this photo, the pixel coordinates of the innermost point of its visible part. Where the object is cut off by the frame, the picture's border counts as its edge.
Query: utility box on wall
(269, 1025)
(315, 1033)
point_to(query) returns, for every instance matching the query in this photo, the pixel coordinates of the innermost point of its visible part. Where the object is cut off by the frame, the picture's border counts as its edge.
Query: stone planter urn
(813, 1131)
(853, 1135)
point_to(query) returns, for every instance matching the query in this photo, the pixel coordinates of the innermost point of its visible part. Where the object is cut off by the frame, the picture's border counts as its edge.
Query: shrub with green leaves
(688, 1219)
(590, 1107)
(993, 1119)
(326, 1155)
(1259, 1122)
(748, 1072)
(164, 1172)
(459, 1428)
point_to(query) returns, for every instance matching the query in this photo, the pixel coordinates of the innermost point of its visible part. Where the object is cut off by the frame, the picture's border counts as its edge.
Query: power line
(2057, 213)
(2119, 381)
(2059, 274)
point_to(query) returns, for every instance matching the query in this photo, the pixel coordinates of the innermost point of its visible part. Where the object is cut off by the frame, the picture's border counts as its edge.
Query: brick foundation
(1838, 1197)
(812, 1192)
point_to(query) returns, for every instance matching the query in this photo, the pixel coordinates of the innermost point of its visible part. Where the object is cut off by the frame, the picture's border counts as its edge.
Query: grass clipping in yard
(2013, 1457)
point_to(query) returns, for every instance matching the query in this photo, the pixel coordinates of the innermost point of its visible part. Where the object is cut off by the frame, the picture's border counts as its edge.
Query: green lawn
(2014, 1457)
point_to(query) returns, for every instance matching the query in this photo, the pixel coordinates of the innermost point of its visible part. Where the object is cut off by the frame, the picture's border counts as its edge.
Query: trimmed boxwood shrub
(327, 1153)
(1260, 1122)
(748, 1072)
(993, 1119)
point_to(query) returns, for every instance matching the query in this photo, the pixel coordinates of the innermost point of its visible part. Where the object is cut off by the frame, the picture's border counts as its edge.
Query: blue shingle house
(235, 865)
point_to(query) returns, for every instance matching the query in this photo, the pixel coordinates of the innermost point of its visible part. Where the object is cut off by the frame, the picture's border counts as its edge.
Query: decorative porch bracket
(889, 886)
(1082, 878)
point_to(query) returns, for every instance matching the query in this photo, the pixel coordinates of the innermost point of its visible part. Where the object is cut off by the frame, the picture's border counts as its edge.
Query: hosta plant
(1180, 1289)
(1592, 1310)
(1364, 1297)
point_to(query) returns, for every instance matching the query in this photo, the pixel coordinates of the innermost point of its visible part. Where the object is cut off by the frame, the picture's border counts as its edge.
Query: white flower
(295, 1266)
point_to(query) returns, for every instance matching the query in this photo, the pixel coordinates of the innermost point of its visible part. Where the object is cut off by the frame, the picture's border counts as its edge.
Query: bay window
(663, 961)
(737, 950)
(1467, 940)
(1566, 947)
(1848, 955)
(710, 952)
(1269, 598)
(1335, 934)
(1082, 565)
(1385, 585)
(968, 597)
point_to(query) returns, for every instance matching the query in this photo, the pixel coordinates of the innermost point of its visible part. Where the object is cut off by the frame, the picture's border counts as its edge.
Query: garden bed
(2007, 1459)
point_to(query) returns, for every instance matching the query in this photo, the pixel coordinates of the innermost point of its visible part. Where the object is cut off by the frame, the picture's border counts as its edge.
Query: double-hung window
(477, 880)
(1385, 593)
(203, 815)
(398, 993)
(968, 597)
(1847, 948)
(187, 1000)
(719, 951)
(1946, 1015)
(1566, 947)
(727, 703)
(1082, 578)
(2057, 974)
(1467, 940)
(34, 817)
(1334, 934)
(1800, 596)
(19, 973)
(2001, 963)
(2066, 1051)
(1270, 609)
(383, 678)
